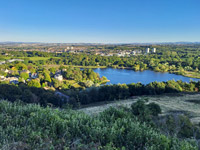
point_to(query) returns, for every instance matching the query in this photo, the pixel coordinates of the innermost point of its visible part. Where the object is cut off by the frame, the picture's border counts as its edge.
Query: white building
(147, 50)
(2, 62)
(121, 54)
(2, 78)
(6, 71)
(58, 77)
(133, 52)
(154, 50)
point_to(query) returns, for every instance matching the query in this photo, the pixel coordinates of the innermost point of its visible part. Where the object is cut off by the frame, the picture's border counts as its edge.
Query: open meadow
(188, 104)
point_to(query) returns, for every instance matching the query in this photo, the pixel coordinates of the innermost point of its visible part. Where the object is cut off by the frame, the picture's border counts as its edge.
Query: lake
(129, 76)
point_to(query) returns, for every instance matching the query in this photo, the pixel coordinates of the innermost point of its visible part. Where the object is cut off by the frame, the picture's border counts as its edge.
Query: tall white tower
(154, 50)
(147, 50)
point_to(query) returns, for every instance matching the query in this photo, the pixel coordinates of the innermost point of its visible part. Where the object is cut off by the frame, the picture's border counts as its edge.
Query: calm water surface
(129, 76)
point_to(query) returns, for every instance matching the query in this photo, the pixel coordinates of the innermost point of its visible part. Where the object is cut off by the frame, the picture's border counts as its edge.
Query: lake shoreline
(128, 76)
(185, 74)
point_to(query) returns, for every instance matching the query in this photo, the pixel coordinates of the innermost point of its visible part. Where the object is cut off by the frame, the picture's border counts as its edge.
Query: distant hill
(92, 44)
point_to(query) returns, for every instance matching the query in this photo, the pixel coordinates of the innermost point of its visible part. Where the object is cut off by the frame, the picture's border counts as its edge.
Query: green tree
(47, 77)
(34, 83)
(24, 75)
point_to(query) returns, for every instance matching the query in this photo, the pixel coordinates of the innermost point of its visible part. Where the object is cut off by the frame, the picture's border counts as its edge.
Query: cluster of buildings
(15, 80)
(128, 53)
(58, 76)
(148, 50)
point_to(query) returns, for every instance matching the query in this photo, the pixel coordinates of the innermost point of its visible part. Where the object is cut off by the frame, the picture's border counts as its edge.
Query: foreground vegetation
(30, 126)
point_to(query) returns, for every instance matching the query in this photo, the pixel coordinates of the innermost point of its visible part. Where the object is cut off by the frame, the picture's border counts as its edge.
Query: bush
(154, 109)
(34, 127)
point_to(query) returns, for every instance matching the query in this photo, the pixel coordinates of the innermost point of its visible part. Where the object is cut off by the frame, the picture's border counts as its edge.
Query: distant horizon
(99, 42)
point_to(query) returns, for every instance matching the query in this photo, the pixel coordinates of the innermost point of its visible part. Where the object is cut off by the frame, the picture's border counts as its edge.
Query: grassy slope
(170, 103)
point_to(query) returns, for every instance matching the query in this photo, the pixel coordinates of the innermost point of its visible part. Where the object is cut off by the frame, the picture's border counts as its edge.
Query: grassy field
(89, 67)
(170, 103)
(192, 74)
(35, 58)
(29, 58)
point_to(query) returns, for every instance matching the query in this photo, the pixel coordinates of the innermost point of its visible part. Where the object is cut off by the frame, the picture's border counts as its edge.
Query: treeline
(30, 95)
(93, 94)
(124, 91)
(33, 127)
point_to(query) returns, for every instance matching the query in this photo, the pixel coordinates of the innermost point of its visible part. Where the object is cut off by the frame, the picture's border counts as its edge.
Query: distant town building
(121, 54)
(154, 50)
(147, 50)
(70, 48)
(133, 52)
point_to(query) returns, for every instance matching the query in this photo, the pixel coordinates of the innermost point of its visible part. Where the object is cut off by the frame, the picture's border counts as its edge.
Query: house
(13, 80)
(2, 62)
(121, 54)
(6, 70)
(33, 75)
(58, 77)
(109, 54)
(102, 54)
(127, 53)
(2, 78)
(133, 52)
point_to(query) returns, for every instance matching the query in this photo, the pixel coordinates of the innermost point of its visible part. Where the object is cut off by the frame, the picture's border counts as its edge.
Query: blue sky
(99, 21)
